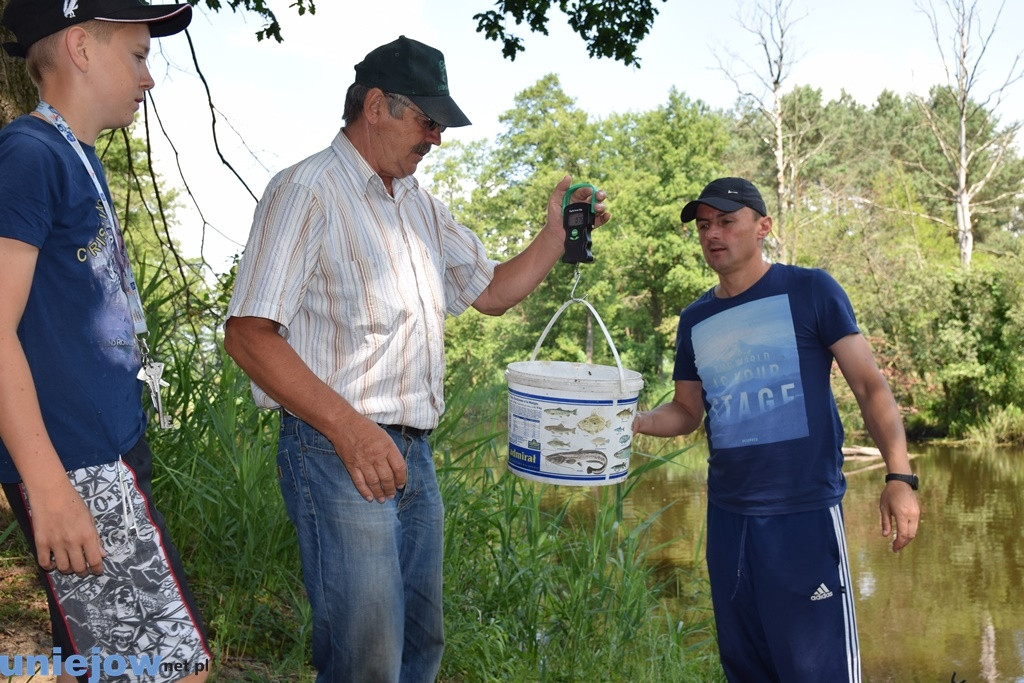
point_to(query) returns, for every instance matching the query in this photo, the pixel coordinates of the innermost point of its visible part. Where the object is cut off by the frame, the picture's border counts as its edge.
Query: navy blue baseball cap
(410, 68)
(726, 194)
(32, 20)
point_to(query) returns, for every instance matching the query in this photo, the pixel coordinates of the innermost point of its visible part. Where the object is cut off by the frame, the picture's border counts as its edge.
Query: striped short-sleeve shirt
(360, 282)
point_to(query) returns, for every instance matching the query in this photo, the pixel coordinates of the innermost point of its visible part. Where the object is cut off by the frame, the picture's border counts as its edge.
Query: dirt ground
(24, 620)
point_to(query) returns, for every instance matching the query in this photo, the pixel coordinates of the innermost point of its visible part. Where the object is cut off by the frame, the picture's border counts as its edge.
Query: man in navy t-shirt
(753, 358)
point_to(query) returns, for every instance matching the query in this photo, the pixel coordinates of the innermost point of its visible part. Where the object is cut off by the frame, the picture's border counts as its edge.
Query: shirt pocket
(367, 295)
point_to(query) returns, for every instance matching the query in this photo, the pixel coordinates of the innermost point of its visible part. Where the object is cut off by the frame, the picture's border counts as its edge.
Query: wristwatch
(910, 479)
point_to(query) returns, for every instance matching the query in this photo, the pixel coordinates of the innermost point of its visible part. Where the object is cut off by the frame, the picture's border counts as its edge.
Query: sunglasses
(425, 121)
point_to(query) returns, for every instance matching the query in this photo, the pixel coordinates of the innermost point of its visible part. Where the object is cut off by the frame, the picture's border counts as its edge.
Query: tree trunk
(18, 94)
(964, 232)
(590, 338)
(781, 225)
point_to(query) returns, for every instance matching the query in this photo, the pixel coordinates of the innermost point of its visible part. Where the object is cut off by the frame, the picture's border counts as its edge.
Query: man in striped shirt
(338, 319)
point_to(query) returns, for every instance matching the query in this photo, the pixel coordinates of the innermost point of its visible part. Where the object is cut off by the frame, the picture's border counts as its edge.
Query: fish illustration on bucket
(571, 423)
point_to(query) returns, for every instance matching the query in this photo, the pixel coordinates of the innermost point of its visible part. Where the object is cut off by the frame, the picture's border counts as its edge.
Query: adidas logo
(821, 593)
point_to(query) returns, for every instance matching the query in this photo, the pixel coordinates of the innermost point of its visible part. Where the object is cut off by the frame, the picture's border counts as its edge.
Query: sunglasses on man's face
(425, 121)
(429, 123)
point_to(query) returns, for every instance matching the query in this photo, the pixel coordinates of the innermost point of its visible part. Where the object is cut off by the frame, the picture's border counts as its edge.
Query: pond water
(952, 601)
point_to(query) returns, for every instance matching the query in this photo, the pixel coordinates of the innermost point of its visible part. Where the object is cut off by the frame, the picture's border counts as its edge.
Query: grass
(541, 592)
(1003, 425)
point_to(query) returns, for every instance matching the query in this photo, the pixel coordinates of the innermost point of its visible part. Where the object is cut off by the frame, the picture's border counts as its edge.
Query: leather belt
(414, 432)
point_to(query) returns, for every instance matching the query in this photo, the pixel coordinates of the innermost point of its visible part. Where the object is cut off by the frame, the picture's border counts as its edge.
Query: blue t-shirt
(764, 363)
(76, 330)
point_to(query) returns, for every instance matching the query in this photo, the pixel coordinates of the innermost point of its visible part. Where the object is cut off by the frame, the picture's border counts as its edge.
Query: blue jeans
(372, 571)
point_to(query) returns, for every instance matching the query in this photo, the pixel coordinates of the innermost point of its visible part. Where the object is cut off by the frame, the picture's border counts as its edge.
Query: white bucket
(571, 423)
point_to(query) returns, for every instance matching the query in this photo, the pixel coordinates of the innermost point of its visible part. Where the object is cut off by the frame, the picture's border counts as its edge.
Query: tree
(973, 147)
(272, 27)
(786, 146)
(18, 94)
(545, 136)
(610, 28)
(645, 269)
(656, 161)
(993, 178)
(778, 121)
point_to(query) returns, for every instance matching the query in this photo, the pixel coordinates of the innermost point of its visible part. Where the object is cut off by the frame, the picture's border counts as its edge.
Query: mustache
(422, 149)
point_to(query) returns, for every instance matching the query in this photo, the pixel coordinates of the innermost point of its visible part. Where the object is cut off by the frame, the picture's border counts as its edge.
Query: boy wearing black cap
(74, 462)
(338, 318)
(754, 357)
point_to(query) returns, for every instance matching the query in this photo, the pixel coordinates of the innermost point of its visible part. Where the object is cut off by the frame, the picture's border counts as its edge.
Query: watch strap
(910, 479)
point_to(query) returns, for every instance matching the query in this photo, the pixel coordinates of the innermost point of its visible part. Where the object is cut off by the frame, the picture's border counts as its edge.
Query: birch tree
(973, 156)
(789, 138)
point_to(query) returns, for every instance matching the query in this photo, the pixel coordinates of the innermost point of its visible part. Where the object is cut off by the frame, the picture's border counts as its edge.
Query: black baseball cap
(408, 67)
(726, 194)
(32, 20)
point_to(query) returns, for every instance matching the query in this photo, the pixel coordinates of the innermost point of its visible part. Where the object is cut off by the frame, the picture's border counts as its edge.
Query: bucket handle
(608, 337)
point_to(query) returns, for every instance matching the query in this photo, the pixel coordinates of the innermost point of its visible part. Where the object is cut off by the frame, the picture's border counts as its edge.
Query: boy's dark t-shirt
(76, 330)
(763, 359)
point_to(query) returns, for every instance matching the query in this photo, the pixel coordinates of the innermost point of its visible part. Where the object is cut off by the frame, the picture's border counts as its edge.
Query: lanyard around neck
(124, 267)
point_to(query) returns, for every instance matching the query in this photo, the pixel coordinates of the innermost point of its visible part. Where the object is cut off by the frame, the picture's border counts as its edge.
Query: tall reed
(216, 481)
(544, 585)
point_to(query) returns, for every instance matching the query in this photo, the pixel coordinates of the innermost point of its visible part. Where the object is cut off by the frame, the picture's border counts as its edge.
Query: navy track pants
(783, 602)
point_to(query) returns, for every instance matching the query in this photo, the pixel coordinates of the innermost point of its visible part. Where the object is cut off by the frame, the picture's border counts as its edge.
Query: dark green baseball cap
(408, 67)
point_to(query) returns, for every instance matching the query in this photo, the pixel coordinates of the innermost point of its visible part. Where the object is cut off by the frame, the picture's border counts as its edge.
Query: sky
(279, 103)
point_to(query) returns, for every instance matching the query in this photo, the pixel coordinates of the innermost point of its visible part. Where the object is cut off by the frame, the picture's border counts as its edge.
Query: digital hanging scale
(577, 221)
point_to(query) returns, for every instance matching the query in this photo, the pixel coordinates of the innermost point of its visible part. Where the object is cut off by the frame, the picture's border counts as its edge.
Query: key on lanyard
(151, 373)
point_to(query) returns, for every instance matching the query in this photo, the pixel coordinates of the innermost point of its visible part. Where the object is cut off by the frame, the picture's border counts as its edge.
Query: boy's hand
(65, 533)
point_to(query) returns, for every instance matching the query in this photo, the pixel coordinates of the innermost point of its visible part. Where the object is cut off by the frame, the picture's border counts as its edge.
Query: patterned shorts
(140, 604)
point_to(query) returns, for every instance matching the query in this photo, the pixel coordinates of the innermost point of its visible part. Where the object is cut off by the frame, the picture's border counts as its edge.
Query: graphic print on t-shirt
(113, 326)
(748, 363)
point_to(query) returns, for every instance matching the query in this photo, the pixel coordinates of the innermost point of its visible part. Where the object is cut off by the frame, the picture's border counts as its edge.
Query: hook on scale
(575, 283)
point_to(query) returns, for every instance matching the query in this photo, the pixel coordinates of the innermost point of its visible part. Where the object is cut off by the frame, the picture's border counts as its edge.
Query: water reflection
(953, 601)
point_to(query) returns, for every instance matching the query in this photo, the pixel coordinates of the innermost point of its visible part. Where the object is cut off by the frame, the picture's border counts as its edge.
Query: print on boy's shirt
(749, 366)
(113, 323)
